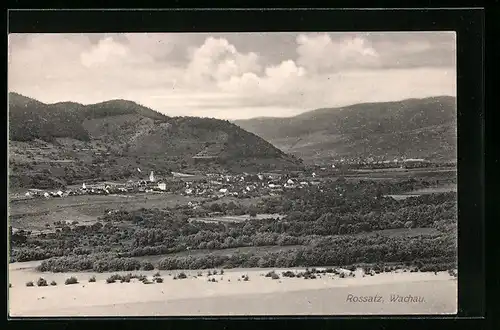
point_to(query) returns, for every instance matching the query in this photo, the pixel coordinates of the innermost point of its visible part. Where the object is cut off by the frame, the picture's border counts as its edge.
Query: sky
(233, 75)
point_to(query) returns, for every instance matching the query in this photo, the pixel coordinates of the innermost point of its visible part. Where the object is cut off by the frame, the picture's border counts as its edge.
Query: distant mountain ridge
(112, 139)
(412, 128)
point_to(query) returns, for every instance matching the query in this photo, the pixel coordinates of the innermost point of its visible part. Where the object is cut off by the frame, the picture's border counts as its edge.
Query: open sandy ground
(328, 295)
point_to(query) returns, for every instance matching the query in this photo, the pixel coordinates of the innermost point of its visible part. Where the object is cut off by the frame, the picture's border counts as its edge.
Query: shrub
(275, 276)
(146, 281)
(270, 274)
(157, 274)
(53, 283)
(159, 280)
(114, 278)
(181, 275)
(126, 279)
(222, 271)
(30, 283)
(41, 282)
(342, 275)
(71, 280)
(245, 278)
(146, 265)
(10, 285)
(92, 279)
(288, 273)
(329, 270)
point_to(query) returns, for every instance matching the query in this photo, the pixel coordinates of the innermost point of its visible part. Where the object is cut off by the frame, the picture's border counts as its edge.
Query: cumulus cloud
(107, 50)
(319, 52)
(218, 60)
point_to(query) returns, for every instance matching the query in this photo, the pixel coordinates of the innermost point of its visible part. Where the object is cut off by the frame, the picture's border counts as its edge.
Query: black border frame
(469, 26)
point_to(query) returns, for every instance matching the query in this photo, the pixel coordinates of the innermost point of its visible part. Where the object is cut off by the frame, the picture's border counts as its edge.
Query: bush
(146, 265)
(270, 274)
(125, 279)
(41, 282)
(71, 280)
(245, 278)
(157, 274)
(10, 285)
(146, 281)
(92, 279)
(114, 278)
(159, 280)
(181, 275)
(53, 283)
(30, 283)
(288, 273)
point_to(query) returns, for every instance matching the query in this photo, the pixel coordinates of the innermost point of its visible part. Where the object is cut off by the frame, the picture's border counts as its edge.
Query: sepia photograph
(232, 174)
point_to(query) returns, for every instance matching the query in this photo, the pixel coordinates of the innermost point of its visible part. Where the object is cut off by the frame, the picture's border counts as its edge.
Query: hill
(412, 128)
(67, 142)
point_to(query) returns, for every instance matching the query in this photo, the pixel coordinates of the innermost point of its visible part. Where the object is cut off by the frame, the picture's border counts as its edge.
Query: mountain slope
(30, 119)
(412, 128)
(67, 142)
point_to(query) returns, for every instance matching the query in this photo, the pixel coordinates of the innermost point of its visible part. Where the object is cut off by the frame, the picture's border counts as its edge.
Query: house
(162, 186)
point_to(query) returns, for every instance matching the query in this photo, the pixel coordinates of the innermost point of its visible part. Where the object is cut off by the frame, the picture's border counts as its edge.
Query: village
(217, 185)
(208, 185)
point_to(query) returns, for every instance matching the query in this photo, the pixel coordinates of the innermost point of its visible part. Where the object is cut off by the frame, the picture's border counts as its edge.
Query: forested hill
(411, 128)
(111, 139)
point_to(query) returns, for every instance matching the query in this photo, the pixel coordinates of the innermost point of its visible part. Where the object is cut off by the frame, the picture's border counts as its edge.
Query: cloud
(320, 52)
(218, 60)
(232, 75)
(278, 79)
(107, 50)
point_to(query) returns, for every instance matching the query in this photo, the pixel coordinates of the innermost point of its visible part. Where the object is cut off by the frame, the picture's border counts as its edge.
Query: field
(426, 191)
(36, 213)
(238, 218)
(230, 295)
(396, 173)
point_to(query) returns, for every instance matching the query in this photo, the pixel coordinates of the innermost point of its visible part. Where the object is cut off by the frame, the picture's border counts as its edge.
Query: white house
(162, 186)
(46, 195)
(223, 190)
(290, 181)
